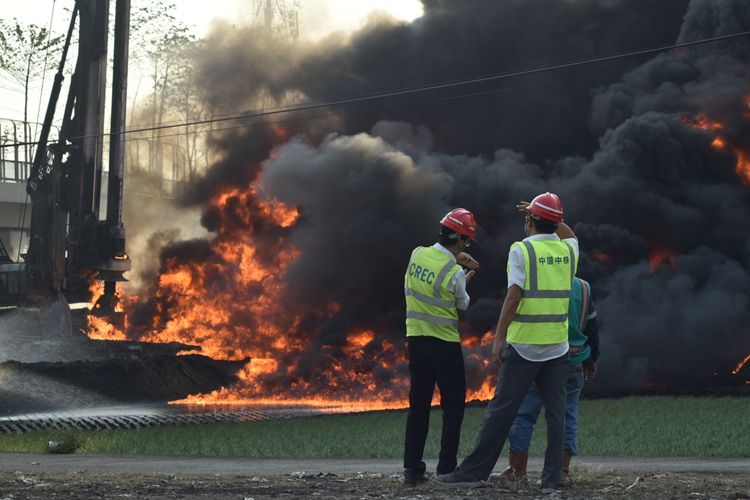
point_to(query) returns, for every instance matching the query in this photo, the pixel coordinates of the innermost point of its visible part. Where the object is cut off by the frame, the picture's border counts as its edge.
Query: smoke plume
(649, 155)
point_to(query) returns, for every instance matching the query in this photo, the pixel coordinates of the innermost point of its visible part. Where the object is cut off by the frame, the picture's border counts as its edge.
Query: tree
(150, 20)
(179, 96)
(165, 46)
(26, 53)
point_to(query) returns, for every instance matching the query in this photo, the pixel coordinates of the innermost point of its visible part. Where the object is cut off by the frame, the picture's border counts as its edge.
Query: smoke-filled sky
(622, 143)
(318, 18)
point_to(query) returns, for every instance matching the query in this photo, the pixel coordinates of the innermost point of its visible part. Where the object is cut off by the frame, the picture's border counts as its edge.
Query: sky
(317, 19)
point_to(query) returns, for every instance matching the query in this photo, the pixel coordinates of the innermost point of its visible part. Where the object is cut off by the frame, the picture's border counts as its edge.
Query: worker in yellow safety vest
(531, 341)
(435, 289)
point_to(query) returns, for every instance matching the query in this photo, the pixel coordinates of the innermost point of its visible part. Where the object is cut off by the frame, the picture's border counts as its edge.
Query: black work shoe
(414, 478)
(458, 478)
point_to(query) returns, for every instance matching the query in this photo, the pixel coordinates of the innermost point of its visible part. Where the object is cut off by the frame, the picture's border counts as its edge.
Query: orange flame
(478, 351)
(720, 142)
(658, 257)
(100, 328)
(251, 383)
(743, 165)
(241, 201)
(740, 365)
(601, 256)
(235, 304)
(703, 122)
(249, 379)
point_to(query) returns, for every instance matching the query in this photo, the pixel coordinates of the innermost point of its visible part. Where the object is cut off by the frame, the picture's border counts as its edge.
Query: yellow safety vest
(542, 315)
(430, 307)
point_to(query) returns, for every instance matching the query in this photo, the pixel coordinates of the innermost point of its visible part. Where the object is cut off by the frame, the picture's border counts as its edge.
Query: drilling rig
(69, 246)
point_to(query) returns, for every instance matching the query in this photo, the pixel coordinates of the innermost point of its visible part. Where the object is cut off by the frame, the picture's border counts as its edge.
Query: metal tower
(278, 16)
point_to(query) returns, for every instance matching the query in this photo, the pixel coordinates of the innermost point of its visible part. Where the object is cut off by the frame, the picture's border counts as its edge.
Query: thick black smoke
(545, 116)
(618, 142)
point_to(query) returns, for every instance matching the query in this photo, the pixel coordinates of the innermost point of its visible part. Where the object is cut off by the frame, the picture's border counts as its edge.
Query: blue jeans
(523, 425)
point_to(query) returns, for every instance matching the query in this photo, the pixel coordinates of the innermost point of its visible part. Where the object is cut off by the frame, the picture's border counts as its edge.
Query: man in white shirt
(531, 341)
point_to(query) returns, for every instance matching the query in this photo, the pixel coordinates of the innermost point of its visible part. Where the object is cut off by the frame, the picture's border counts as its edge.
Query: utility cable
(422, 89)
(392, 106)
(17, 91)
(426, 88)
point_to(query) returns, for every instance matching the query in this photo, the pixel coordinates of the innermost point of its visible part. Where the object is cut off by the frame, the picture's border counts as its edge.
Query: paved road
(111, 464)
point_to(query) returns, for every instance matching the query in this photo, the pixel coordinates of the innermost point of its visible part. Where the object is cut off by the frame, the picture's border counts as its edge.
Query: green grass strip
(633, 426)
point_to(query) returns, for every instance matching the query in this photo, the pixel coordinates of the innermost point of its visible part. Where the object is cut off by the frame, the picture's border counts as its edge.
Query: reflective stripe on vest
(432, 319)
(430, 307)
(542, 315)
(428, 299)
(540, 318)
(533, 292)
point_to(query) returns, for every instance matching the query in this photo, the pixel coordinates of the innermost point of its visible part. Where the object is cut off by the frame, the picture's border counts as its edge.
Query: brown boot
(516, 470)
(565, 476)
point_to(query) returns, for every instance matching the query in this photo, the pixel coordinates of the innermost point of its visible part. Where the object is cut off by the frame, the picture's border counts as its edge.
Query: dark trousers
(431, 361)
(516, 376)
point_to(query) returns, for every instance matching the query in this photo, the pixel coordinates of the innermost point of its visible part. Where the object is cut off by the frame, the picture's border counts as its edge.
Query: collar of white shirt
(445, 251)
(550, 236)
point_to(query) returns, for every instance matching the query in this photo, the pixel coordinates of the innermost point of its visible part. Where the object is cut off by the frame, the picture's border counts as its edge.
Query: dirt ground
(301, 485)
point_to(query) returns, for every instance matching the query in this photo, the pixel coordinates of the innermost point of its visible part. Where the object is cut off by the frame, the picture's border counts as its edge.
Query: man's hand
(467, 260)
(497, 350)
(469, 275)
(508, 311)
(523, 206)
(589, 370)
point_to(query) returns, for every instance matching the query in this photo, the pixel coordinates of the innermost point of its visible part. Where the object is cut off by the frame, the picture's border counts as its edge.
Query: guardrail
(24, 423)
(14, 170)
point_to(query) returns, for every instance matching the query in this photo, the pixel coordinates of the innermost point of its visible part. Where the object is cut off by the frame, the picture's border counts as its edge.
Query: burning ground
(311, 219)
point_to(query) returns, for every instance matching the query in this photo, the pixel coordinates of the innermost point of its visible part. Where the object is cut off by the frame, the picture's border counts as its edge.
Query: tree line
(162, 87)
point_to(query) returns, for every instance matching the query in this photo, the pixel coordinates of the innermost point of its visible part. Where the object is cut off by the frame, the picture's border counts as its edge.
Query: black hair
(448, 236)
(544, 226)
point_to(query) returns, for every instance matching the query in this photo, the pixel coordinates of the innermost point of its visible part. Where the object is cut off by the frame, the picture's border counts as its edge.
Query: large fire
(234, 303)
(230, 297)
(247, 390)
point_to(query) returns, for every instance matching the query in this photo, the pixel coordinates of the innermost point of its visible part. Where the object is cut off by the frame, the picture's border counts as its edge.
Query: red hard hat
(547, 206)
(461, 221)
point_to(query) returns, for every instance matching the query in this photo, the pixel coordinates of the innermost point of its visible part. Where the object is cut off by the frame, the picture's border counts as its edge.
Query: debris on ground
(362, 485)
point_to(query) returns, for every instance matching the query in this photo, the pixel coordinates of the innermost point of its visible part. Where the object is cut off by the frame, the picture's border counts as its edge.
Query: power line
(430, 87)
(15, 110)
(419, 89)
(393, 106)
(17, 91)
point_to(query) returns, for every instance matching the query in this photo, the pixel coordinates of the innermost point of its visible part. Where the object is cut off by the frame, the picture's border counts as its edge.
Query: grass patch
(633, 426)
(666, 427)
